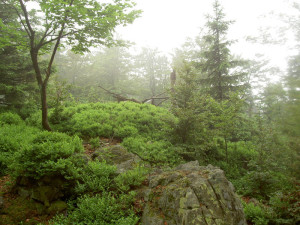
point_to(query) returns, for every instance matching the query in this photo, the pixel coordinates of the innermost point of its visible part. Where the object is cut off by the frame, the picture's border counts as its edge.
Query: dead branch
(121, 98)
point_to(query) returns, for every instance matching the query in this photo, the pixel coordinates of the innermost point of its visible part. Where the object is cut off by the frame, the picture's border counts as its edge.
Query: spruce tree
(222, 73)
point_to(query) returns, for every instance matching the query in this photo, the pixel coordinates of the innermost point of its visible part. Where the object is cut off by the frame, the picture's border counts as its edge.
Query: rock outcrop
(45, 192)
(191, 195)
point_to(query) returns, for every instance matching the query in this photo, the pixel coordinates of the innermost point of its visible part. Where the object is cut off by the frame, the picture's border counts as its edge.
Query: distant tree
(292, 112)
(17, 86)
(80, 24)
(222, 72)
(111, 67)
(72, 67)
(152, 69)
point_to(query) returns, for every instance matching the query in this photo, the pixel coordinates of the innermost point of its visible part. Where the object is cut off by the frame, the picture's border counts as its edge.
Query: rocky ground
(186, 195)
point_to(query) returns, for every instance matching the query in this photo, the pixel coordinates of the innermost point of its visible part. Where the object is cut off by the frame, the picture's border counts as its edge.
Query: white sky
(165, 24)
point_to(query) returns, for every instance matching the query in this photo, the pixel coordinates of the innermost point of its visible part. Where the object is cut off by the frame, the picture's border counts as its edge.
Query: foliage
(131, 178)
(99, 209)
(155, 152)
(285, 206)
(117, 120)
(47, 154)
(95, 177)
(256, 214)
(10, 118)
(83, 24)
(13, 137)
(145, 129)
(139, 76)
(152, 66)
(239, 155)
(17, 87)
(94, 142)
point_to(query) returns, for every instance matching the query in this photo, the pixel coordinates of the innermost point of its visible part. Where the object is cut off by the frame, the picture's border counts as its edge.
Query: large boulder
(191, 195)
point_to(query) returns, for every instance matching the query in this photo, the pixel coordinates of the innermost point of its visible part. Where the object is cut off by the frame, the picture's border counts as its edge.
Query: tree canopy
(54, 24)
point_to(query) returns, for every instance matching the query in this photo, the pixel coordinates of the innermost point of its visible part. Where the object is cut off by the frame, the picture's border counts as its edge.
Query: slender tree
(78, 23)
(221, 71)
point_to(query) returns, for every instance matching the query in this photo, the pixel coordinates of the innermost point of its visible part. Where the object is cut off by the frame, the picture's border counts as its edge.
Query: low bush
(94, 142)
(49, 153)
(256, 214)
(285, 206)
(131, 178)
(10, 118)
(95, 177)
(113, 119)
(155, 152)
(133, 123)
(100, 209)
(13, 138)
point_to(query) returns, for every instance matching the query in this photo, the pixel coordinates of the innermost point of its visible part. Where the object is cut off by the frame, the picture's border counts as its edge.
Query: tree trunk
(45, 122)
(43, 89)
(226, 148)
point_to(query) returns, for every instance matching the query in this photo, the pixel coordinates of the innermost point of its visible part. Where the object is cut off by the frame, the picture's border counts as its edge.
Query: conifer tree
(222, 73)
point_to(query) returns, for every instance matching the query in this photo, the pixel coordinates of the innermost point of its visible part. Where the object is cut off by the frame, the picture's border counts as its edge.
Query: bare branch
(21, 20)
(23, 7)
(153, 98)
(120, 98)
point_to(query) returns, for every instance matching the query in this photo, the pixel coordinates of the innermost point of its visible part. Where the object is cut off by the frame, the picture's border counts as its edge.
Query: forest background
(208, 104)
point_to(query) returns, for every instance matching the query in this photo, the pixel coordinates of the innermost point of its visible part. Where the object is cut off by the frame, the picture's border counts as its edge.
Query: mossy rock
(46, 194)
(21, 211)
(56, 207)
(192, 195)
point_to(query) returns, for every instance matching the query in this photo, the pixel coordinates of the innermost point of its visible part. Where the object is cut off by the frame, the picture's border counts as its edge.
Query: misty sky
(166, 24)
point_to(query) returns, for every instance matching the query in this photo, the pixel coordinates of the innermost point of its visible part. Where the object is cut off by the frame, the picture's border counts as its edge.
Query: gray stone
(192, 195)
(189, 166)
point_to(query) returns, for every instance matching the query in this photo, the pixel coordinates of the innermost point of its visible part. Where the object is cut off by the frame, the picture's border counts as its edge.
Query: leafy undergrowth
(143, 129)
(16, 209)
(89, 187)
(27, 151)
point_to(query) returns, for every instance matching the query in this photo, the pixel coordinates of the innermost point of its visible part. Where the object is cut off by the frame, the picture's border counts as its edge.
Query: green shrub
(134, 123)
(125, 131)
(13, 138)
(92, 123)
(94, 142)
(113, 119)
(255, 214)
(10, 118)
(155, 152)
(285, 206)
(95, 177)
(49, 153)
(35, 119)
(105, 209)
(131, 178)
(262, 184)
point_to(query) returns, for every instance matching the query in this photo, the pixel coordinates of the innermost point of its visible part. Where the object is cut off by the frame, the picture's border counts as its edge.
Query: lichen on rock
(192, 194)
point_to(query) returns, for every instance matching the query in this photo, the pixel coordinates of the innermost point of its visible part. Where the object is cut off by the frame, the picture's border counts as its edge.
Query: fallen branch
(121, 98)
